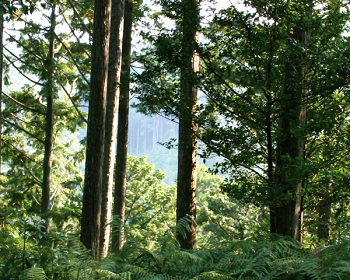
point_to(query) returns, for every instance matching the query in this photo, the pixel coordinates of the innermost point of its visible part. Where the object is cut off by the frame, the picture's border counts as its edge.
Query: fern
(267, 259)
(33, 273)
(137, 272)
(212, 275)
(183, 225)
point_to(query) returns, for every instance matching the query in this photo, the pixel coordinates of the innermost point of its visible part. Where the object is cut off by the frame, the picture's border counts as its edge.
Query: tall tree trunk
(118, 238)
(91, 213)
(1, 76)
(286, 208)
(114, 70)
(325, 214)
(187, 152)
(48, 143)
(324, 219)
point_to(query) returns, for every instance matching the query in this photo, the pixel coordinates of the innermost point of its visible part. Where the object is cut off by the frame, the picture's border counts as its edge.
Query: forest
(244, 103)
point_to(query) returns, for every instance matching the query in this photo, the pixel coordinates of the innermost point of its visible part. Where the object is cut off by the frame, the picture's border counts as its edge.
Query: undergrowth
(55, 256)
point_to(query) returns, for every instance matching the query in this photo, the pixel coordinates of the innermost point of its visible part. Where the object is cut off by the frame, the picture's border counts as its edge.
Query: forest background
(259, 90)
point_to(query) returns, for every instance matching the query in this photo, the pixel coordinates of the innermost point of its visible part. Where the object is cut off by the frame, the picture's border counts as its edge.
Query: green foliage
(24, 117)
(150, 208)
(243, 77)
(151, 253)
(263, 259)
(33, 273)
(150, 203)
(221, 217)
(243, 73)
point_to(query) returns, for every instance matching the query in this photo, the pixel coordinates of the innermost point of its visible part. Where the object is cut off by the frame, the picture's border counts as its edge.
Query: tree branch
(21, 72)
(72, 57)
(31, 173)
(76, 37)
(19, 151)
(24, 47)
(230, 88)
(70, 97)
(23, 105)
(81, 20)
(24, 130)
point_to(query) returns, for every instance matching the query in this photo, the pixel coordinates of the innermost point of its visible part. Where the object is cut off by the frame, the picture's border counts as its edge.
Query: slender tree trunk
(187, 153)
(118, 238)
(325, 214)
(1, 77)
(324, 219)
(91, 213)
(113, 89)
(48, 143)
(286, 208)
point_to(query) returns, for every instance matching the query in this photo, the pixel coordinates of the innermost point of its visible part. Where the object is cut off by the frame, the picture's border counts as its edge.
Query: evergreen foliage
(252, 61)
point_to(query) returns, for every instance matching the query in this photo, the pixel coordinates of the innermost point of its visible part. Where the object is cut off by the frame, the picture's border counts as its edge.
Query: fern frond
(137, 272)
(79, 273)
(34, 273)
(183, 225)
(122, 276)
(163, 277)
(209, 275)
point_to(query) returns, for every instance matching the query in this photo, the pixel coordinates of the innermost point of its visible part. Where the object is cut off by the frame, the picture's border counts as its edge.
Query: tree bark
(48, 142)
(325, 214)
(113, 89)
(187, 151)
(324, 219)
(91, 212)
(286, 207)
(118, 238)
(1, 76)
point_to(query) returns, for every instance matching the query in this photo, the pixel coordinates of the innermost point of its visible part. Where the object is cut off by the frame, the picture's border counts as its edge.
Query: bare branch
(40, 100)
(37, 202)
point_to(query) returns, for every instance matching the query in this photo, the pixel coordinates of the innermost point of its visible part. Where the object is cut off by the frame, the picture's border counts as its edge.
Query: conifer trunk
(48, 143)
(1, 77)
(286, 207)
(118, 238)
(325, 214)
(91, 212)
(324, 219)
(187, 151)
(113, 89)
